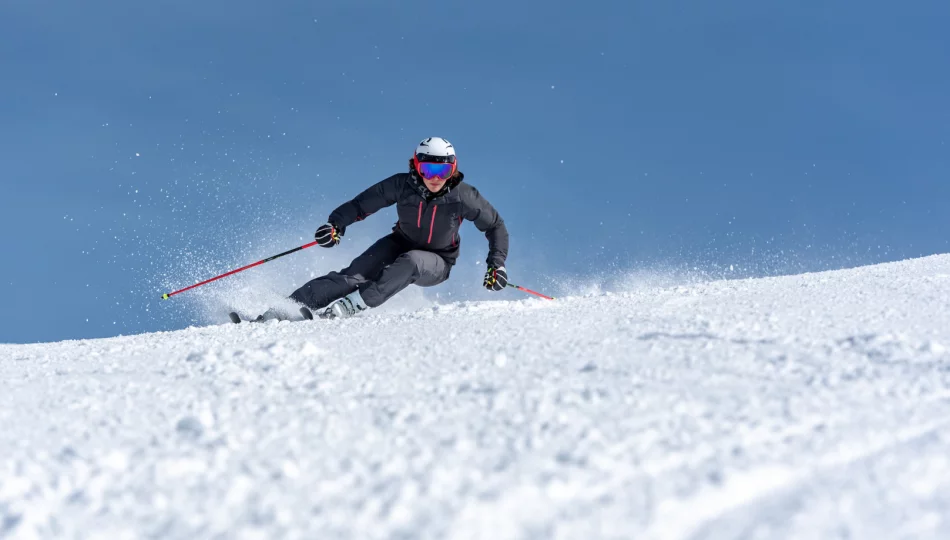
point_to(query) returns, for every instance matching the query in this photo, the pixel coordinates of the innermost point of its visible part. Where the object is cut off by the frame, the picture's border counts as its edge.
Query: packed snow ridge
(808, 406)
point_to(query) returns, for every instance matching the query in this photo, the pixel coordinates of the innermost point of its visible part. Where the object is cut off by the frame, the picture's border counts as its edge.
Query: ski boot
(347, 306)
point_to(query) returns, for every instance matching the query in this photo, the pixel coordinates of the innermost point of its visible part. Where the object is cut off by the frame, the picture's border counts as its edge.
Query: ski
(237, 319)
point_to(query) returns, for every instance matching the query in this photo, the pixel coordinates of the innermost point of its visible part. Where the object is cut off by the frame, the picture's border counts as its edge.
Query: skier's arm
(487, 220)
(368, 202)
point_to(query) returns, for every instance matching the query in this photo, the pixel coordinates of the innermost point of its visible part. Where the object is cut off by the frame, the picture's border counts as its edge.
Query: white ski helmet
(435, 150)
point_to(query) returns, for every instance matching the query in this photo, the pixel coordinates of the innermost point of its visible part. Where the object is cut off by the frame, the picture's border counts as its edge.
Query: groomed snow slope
(809, 406)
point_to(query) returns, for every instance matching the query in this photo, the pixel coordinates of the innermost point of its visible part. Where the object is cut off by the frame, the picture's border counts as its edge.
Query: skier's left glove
(496, 279)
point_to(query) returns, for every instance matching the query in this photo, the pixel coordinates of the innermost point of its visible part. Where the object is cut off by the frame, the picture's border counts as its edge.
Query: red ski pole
(529, 291)
(169, 295)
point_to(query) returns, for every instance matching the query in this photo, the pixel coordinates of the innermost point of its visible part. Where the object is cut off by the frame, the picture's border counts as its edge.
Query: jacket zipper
(432, 223)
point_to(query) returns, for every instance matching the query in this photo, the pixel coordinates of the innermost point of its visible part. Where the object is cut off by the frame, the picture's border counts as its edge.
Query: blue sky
(148, 146)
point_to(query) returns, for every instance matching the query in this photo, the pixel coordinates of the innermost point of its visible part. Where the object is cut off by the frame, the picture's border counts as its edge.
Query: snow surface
(809, 406)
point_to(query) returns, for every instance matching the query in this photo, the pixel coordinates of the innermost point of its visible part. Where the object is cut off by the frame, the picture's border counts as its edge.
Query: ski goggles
(442, 171)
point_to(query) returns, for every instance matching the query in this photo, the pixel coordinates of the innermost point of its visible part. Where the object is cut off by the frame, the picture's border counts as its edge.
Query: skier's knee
(408, 265)
(409, 258)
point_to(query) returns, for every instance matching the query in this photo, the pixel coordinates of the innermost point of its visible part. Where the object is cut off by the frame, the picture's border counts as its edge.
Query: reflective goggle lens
(436, 170)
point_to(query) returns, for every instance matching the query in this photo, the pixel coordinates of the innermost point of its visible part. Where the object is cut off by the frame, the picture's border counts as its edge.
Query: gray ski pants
(383, 270)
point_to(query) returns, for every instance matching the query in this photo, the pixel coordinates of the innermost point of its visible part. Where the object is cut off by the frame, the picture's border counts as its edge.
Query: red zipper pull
(432, 223)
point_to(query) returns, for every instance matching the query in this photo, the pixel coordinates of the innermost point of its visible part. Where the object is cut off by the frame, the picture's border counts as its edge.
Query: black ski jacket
(429, 221)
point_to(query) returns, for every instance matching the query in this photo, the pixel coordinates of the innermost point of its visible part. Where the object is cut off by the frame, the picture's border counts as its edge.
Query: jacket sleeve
(368, 202)
(487, 220)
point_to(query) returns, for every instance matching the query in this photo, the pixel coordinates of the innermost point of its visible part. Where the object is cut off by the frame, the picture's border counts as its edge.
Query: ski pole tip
(165, 296)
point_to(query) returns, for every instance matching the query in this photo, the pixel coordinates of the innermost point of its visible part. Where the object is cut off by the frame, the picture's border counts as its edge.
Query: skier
(431, 202)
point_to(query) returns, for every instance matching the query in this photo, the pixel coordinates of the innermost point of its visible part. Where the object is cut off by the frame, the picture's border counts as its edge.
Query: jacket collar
(420, 186)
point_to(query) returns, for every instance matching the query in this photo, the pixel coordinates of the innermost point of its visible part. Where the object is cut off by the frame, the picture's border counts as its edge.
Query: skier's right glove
(327, 235)
(496, 279)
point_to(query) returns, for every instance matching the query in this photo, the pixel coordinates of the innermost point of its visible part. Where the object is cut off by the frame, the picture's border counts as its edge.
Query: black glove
(496, 279)
(327, 235)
